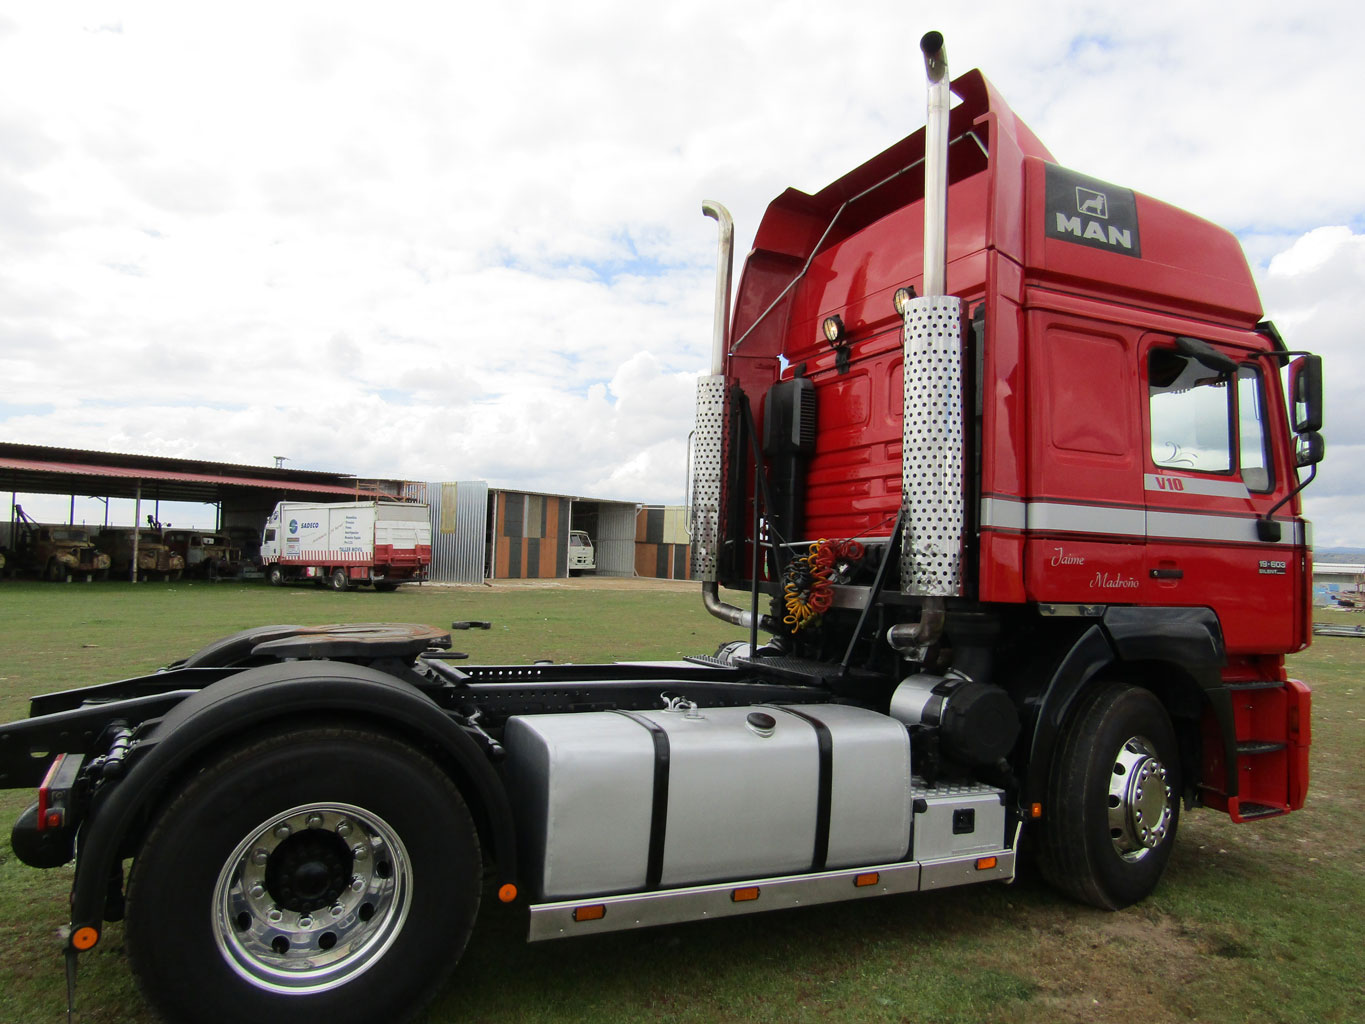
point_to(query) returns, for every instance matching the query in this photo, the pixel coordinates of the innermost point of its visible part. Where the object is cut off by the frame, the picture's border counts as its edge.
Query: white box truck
(383, 543)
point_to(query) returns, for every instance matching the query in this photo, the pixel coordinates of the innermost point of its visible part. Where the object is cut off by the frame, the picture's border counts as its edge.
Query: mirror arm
(1268, 529)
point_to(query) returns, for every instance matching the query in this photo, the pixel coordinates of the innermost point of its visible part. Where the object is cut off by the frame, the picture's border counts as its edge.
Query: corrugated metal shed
(38, 469)
(459, 517)
(615, 540)
(662, 544)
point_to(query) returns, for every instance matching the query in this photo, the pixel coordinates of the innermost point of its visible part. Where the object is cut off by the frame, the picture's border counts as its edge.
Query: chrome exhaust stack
(725, 264)
(706, 454)
(936, 165)
(931, 473)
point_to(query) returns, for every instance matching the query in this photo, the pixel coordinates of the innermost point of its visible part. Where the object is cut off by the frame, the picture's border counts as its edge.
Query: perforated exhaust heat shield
(708, 461)
(931, 458)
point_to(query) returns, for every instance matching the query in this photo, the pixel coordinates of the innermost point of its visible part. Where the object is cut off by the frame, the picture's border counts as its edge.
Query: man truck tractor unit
(383, 543)
(1006, 462)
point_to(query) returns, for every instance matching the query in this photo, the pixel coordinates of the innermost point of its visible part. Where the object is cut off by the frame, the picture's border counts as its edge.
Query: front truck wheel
(1113, 800)
(328, 874)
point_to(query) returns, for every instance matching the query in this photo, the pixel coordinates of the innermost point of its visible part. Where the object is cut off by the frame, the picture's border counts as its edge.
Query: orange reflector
(749, 892)
(985, 863)
(594, 913)
(870, 878)
(53, 819)
(507, 893)
(1036, 811)
(85, 938)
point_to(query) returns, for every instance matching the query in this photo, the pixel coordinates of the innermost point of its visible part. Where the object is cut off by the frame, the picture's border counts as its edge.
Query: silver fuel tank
(611, 802)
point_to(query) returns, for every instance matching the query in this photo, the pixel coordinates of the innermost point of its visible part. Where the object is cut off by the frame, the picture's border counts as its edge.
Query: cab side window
(1251, 429)
(1191, 414)
(1203, 421)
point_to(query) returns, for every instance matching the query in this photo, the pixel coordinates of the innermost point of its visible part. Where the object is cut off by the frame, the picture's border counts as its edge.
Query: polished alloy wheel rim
(311, 898)
(1140, 800)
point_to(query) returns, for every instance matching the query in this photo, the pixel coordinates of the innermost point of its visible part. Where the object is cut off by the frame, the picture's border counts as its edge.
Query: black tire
(274, 575)
(200, 931)
(1113, 800)
(339, 580)
(55, 571)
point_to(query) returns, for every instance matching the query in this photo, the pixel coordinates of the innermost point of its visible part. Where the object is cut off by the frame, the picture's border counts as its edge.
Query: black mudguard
(256, 697)
(1188, 637)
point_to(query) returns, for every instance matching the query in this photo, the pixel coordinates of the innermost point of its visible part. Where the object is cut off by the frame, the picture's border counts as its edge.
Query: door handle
(1168, 574)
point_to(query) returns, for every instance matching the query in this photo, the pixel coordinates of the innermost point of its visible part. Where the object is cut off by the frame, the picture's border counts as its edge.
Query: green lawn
(1259, 922)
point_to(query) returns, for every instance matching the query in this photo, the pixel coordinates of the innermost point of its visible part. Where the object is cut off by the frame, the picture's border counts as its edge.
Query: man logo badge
(1096, 204)
(1090, 212)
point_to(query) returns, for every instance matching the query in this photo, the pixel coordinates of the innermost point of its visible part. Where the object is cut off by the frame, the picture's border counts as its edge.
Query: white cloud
(1313, 292)
(455, 242)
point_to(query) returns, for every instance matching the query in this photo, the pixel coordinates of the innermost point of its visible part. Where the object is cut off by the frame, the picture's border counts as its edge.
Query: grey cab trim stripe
(1060, 517)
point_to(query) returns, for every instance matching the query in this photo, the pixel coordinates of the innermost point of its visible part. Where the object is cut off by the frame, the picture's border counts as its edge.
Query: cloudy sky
(459, 241)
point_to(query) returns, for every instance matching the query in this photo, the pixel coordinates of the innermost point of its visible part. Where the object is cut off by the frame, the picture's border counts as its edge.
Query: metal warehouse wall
(459, 516)
(615, 540)
(662, 546)
(530, 535)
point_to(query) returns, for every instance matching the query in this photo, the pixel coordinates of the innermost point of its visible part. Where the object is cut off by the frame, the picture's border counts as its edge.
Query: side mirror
(1310, 449)
(1305, 395)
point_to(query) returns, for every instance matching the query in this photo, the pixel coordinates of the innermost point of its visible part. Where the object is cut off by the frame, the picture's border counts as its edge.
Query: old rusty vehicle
(154, 559)
(207, 553)
(56, 553)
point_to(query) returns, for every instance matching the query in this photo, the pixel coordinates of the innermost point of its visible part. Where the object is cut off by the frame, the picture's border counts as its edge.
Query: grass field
(1256, 923)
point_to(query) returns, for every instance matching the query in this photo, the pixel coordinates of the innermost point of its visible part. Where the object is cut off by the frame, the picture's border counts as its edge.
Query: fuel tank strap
(658, 815)
(825, 785)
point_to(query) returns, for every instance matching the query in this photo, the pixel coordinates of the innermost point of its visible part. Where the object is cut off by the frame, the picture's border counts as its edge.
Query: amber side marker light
(1035, 811)
(85, 938)
(594, 913)
(749, 892)
(985, 863)
(507, 893)
(869, 878)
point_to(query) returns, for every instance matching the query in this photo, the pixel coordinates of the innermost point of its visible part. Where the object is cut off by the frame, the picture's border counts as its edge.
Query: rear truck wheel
(1113, 800)
(274, 575)
(339, 580)
(328, 874)
(175, 574)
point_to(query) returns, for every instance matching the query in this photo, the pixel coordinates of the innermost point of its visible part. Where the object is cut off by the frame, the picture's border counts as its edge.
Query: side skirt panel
(699, 902)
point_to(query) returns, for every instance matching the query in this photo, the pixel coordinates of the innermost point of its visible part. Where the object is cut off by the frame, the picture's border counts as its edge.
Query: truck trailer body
(1006, 462)
(383, 543)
